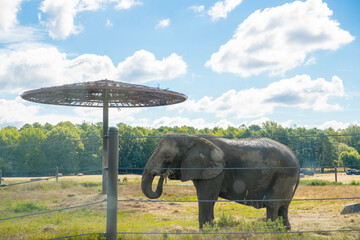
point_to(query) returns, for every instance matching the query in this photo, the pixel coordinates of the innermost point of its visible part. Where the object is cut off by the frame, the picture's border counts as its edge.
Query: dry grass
(165, 217)
(341, 177)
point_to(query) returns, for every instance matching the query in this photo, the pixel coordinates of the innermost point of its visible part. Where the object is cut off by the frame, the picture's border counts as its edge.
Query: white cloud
(8, 13)
(10, 31)
(14, 112)
(115, 115)
(60, 15)
(108, 23)
(278, 39)
(258, 122)
(311, 61)
(222, 8)
(336, 125)
(163, 23)
(197, 8)
(298, 92)
(127, 4)
(198, 123)
(20, 34)
(143, 67)
(33, 66)
(18, 112)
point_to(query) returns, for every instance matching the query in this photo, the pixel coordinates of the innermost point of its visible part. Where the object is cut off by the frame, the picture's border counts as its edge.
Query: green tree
(8, 138)
(63, 148)
(350, 159)
(254, 128)
(31, 156)
(276, 132)
(132, 152)
(353, 138)
(91, 157)
(342, 147)
(326, 152)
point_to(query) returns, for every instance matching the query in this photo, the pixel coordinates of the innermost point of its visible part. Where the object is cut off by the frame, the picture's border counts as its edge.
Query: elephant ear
(203, 160)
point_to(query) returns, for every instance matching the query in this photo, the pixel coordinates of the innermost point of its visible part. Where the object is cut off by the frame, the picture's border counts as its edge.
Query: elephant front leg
(206, 213)
(207, 191)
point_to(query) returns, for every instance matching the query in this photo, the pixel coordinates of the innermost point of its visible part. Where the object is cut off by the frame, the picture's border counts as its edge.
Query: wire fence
(54, 210)
(140, 169)
(195, 201)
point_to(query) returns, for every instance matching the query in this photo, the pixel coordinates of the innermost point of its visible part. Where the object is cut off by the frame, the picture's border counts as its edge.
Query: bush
(318, 182)
(226, 221)
(354, 182)
(28, 206)
(90, 184)
(248, 228)
(68, 184)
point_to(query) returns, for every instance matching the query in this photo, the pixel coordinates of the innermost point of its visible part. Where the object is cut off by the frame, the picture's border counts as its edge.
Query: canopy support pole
(105, 159)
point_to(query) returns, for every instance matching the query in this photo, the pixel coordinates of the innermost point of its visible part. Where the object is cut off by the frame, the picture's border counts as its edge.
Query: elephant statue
(250, 171)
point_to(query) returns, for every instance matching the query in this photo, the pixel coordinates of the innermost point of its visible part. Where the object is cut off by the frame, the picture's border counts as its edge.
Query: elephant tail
(296, 185)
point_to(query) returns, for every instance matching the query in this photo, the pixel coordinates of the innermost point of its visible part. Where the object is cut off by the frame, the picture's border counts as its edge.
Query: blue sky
(238, 61)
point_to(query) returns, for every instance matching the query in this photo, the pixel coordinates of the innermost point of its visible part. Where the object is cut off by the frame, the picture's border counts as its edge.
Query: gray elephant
(241, 170)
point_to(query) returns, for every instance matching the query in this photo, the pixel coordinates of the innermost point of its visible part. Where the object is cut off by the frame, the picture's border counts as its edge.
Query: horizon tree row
(36, 150)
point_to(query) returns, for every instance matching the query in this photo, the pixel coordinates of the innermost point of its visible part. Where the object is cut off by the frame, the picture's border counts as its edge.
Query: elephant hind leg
(283, 212)
(282, 189)
(272, 211)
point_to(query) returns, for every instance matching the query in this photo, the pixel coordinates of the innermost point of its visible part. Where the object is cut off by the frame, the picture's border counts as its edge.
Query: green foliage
(65, 157)
(68, 184)
(226, 221)
(36, 150)
(318, 182)
(91, 184)
(28, 206)
(350, 159)
(354, 182)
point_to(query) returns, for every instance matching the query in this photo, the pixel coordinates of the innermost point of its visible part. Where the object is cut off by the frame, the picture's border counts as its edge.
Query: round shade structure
(96, 93)
(104, 94)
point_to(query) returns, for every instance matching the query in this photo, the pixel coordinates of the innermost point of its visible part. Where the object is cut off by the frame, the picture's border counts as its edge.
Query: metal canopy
(93, 94)
(105, 94)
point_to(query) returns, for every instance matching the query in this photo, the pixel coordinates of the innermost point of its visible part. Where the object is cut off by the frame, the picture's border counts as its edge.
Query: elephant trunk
(146, 183)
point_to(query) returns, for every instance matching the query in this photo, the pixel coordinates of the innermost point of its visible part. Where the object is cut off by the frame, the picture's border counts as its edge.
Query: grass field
(171, 216)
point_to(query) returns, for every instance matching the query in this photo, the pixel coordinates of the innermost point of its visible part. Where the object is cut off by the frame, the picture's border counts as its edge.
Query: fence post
(0, 176)
(57, 173)
(335, 174)
(112, 184)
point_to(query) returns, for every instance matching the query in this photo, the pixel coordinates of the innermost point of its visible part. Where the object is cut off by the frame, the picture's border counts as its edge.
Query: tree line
(36, 150)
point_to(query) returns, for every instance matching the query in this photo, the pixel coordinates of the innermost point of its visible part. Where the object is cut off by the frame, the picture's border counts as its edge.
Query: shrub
(226, 221)
(28, 206)
(90, 184)
(354, 182)
(68, 184)
(318, 182)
